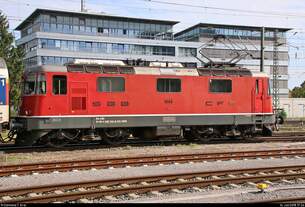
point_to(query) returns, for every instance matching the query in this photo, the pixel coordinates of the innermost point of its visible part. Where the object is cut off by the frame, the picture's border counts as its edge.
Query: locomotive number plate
(102, 120)
(169, 119)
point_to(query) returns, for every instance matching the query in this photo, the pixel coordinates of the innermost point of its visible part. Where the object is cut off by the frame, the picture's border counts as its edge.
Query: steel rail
(152, 184)
(62, 166)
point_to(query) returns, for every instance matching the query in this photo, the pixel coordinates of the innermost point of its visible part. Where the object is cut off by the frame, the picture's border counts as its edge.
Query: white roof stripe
(166, 71)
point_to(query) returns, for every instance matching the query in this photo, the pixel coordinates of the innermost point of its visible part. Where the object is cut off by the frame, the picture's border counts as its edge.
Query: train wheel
(56, 140)
(188, 136)
(26, 138)
(267, 131)
(114, 137)
(202, 134)
(247, 132)
(56, 143)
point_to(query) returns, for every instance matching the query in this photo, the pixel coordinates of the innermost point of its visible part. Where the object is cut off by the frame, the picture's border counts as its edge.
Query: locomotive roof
(142, 70)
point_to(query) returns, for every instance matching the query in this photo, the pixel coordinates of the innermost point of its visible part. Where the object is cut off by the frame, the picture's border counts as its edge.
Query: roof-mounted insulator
(165, 64)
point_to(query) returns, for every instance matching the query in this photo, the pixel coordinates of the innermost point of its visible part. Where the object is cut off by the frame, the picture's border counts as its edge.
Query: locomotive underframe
(86, 122)
(33, 128)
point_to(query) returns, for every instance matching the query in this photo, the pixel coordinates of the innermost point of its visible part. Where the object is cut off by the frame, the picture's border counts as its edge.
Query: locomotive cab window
(220, 86)
(111, 84)
(41, 84)
(59, 85)
(257, 86)
(168, 85)
(29, 84)
(268, 87)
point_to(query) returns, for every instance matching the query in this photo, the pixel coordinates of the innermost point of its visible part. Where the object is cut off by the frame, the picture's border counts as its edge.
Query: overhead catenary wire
(264, 13)
(226, 9)
(29, 4)
(257, 13)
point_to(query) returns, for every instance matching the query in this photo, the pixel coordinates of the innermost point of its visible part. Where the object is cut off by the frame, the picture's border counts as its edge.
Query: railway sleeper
(160, 187)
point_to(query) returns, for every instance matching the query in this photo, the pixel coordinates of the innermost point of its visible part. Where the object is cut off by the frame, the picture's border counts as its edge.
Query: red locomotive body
(117, 101)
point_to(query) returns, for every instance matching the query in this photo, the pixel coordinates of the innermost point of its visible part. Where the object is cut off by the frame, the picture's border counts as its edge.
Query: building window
(82, 21)
(187, 52)
(88, 45)
(59, 85)
(88, 29)
(67, 28)
(111, 84)
(30, 61)
(44, 43)
(57, 43)
(100, 30)
(169, 85)
(220, 86)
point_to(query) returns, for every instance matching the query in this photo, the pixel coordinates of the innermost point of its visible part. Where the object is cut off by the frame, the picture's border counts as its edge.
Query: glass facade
(46, 60)
(29, 62)
(102, 26)
(51, 60)
(187, 52)
(233, 33)
(107, 48)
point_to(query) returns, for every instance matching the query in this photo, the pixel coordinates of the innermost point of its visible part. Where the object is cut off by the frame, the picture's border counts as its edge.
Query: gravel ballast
(128, 151)
(66, 177)
(238, 195)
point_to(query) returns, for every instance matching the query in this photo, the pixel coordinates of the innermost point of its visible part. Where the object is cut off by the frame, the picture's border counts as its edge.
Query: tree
(13, 57)
(298, 92)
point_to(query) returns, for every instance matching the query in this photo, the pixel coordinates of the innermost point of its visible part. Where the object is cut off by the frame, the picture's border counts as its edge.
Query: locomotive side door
(79, 97)
(259, 96)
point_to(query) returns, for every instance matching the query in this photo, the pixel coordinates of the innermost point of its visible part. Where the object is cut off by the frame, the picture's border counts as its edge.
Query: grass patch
(14, 158)
(192, 145)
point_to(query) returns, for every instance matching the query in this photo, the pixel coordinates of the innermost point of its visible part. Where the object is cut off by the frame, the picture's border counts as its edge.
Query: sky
(271, 13)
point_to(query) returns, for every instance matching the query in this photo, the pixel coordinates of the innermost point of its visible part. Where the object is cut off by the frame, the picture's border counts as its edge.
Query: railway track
(10, 148)
(134, 186)
(64, 166)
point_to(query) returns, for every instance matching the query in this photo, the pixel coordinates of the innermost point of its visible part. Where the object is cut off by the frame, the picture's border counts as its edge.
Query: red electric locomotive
(111, 101)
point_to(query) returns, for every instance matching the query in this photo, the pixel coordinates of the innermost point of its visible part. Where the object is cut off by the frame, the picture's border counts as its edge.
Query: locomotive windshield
(34, 84)
(29, 84)
(42, 84)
